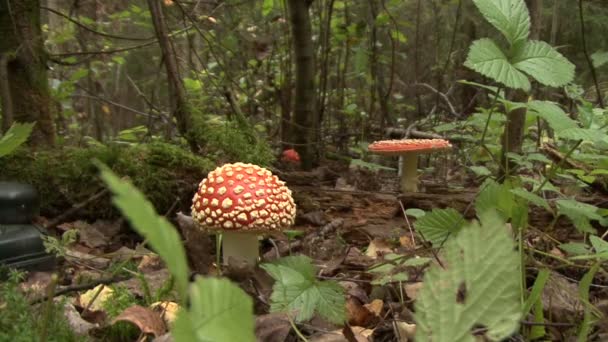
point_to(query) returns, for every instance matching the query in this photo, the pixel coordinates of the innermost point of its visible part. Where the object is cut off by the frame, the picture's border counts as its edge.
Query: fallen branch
(68, 213)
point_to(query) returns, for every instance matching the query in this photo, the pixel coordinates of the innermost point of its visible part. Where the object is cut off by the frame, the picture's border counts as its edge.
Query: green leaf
(16, 135)
(390, 278)
(531, 197)
(510, 17)
(593, 135)
(574, 248)
(541, 61)
(267, 7)
(415, 212)
(598, 244)
(537, 289)
(494, 196)
(579, 213)
(438, 224)
(599, 58)
(487, 58)
(161, 234)
(479, 287)
(557, 119)
(219, 311)
(480, 170)
(583, 291)
(298, 291)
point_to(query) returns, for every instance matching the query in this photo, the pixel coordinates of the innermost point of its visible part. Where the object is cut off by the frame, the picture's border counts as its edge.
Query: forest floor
(349, 221)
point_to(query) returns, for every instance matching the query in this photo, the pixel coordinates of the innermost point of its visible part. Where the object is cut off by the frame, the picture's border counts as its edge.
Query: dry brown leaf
(272, 327)
(361, 335)
(75, 321)
(150, 263)
(407, 242)
(155, 281)
(375, 307)
(148, 321)
(411, 290)
(406, 331)
(87, 259)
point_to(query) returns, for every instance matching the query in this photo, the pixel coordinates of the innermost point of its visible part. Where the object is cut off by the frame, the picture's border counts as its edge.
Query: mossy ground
(66, 176)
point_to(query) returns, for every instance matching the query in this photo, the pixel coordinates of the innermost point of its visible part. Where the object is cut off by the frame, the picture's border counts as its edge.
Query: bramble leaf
(438, 224)
(478, 287)
(541, 61)
(298, 291)
(16, 135)
(510, 17)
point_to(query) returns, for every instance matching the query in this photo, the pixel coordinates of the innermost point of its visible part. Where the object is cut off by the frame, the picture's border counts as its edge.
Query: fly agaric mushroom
(408, 150)
(242, 201)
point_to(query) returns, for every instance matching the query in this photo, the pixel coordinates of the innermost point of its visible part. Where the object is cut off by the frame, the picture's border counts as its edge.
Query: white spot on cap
(228, 224)
(205, 201)
(210, 190)
(242, 217)
(226, 203)
(209, 220)
(221, 190)
(215, 202)
(219, 180)
(238, 189)
(259, 193)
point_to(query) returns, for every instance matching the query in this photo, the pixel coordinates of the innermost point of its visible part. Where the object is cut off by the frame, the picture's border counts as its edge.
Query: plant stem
(295, 328)
(48, 309)
(555, 167)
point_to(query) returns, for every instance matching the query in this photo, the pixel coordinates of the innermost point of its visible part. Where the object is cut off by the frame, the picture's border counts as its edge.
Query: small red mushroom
(291, 156)
(408, 149)
(241, 201)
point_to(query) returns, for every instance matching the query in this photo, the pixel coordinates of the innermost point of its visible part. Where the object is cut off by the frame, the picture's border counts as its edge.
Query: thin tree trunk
(513, 135)
(22, 45)
(304, 104)
(177, 93)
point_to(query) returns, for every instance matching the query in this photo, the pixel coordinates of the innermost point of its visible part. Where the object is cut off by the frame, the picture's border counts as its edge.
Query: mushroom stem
(239, 248)
(409, 172)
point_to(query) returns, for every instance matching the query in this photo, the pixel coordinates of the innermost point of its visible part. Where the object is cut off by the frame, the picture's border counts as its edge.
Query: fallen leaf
(272, 327)
(88, 235)
(411, 290)
(95, 303)
(361, 335)
(406, 331)
(155, 281)
(561, 299)
(36, 283)
(75, 321)
(149, 263)
(407, 242)
(166, 310)
(377, 248)
(148, 321)
(375, 307)
(87, 259)
(357, 314)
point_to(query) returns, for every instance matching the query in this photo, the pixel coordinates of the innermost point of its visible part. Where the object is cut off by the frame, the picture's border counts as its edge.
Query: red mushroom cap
(243, 197)
(291, 156)
(396, 147)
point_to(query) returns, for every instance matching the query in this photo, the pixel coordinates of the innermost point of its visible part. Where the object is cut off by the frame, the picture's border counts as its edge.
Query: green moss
(67, 176)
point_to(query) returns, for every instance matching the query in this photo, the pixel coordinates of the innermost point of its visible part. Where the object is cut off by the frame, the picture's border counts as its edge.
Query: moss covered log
(67, 176)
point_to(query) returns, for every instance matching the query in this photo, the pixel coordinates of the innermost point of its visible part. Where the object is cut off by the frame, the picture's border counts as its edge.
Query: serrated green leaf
(557, 119)
(579, 213)
(487, 58)
(16, 135)
(161, 234)
(541, 61)
(510, 17)
(533, 198)
(480, 170)
(219, 311)
(438, 224)
(494, 196)
(478, 287)
(583, 291)
(297, 290)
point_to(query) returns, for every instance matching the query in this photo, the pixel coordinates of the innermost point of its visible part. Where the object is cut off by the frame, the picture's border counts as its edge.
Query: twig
(442, 95)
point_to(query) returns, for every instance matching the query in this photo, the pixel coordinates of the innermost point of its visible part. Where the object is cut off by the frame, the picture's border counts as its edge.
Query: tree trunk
(513, 134)
(177, 92)
(22, 45)
(304, 103)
